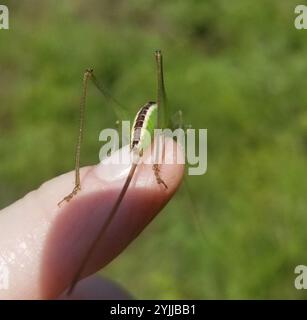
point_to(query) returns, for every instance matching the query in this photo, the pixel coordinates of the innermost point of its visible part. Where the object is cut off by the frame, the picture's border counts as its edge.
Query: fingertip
(97, 288)
(48, 242)
(82, 219)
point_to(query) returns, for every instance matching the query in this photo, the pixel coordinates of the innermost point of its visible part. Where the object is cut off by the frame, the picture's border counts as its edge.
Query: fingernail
(116, 166)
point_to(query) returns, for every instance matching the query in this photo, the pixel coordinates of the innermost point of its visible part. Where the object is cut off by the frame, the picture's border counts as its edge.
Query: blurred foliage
(236, 68)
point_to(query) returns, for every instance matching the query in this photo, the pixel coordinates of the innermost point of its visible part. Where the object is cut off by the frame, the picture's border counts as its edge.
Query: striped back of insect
(143, 126)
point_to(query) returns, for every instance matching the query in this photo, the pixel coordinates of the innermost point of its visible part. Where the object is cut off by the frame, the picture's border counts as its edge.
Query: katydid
(151, 116)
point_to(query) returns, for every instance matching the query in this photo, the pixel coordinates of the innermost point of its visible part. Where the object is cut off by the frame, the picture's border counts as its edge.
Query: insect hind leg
(75, 190)
(156, 170)
(156, 167)
(87, 75)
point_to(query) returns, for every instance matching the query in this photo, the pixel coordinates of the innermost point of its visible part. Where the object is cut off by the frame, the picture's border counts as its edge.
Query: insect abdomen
(144, 123)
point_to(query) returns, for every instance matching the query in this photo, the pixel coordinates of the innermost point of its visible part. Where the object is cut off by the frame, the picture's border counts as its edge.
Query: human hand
(42, 245)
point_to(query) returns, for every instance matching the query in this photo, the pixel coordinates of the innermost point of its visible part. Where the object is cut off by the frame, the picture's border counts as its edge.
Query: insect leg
(156, 170)
(177, 120)
(156, 166)
(161, 93)
(118, 107)
(87, 75)
(162, 113)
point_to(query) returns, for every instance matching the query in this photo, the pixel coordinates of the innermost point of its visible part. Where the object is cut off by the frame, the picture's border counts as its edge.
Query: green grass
(237, 69)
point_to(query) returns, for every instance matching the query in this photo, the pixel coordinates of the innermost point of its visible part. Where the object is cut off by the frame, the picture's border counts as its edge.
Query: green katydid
(150, 116)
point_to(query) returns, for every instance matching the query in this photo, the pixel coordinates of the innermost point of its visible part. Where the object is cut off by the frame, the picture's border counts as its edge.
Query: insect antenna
(103, 228)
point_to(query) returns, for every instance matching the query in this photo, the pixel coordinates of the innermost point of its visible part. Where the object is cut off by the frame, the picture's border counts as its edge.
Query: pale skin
(42, 244)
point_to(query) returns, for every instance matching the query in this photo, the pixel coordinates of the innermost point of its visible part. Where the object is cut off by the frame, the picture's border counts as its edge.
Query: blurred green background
(237, 68)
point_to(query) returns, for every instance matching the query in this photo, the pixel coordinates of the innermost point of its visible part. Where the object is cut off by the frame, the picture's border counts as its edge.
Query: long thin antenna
(103, 228)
